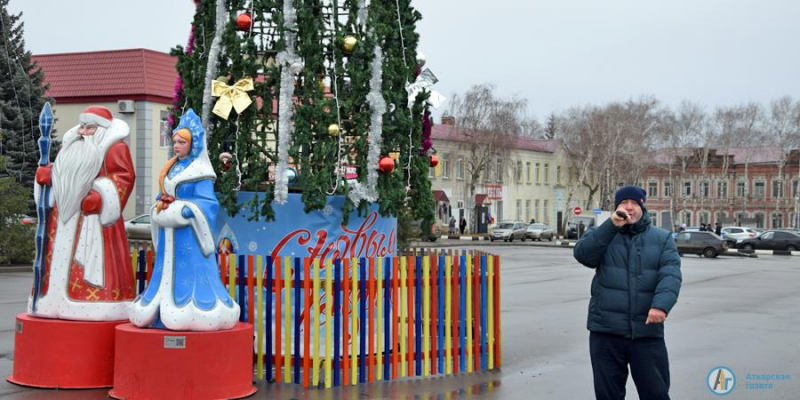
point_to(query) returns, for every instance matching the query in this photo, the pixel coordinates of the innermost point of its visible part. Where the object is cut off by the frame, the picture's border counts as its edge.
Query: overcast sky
(556, 53)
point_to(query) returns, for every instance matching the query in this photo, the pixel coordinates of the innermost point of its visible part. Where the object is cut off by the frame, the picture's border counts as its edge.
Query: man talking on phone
(636, 283)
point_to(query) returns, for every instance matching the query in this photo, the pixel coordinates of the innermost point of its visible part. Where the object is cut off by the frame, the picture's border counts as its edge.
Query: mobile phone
(622, 214)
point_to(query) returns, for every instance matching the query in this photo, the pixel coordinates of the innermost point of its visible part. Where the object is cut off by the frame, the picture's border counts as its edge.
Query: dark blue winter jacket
(637, 267)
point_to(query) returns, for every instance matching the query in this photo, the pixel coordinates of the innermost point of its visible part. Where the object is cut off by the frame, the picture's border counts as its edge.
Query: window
(720, 218)
(536, 210)
(528, 172)
(796, 188)
(460, 169)
(740, 216)
(547, 174)
(499, 171)
(722, 190)
(704, 218)
(165, 138)
(705, 190)
(759, 220)
(527, 210)
(687, 217)
(777, 220)
(741, 189)
(794, 220)
(687, 189)
(518, 172)
(653, 217)
(652, 189)
(759, 189)
(558, 174)
(519, 210)
(667, 189)
(446, 166)
(487, 172)
(777, 189)
(537, 173)
(546, 212)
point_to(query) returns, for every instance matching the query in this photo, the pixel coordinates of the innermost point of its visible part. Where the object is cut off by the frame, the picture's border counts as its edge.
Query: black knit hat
(630, 192)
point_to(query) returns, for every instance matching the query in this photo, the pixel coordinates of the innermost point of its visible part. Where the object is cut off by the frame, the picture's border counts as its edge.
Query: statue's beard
(74, 170)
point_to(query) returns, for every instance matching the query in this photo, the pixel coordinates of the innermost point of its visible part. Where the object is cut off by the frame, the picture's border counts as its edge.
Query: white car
(734, 234)
(508, 231)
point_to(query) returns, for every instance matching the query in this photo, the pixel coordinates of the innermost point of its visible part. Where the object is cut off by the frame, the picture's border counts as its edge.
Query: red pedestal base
(57, 353)
(162, 364)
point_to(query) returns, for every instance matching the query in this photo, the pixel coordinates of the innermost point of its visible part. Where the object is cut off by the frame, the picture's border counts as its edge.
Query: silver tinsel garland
(211, 66)
(376, 102)
(291, 65)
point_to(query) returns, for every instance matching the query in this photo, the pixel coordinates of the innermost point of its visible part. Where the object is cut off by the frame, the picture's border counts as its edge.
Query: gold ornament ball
(333, 130)
(349, 44)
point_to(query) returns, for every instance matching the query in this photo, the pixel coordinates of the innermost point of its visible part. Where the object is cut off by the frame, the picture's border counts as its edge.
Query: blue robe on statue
(185, 291)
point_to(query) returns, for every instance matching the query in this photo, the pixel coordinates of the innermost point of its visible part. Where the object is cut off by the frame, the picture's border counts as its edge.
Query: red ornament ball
(244, 21)
(386, 165)
(434, 160)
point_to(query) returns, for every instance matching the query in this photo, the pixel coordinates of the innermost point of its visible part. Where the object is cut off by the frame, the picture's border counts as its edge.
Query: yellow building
(136, 85)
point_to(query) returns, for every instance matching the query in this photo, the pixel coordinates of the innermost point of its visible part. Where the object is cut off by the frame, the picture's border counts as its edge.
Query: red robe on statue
(87, 271)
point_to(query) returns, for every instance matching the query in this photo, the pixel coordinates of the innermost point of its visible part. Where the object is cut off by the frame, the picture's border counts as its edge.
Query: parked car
(572, 228)
(707, 244)
(772, 240)
(508, 231)
(539, 232)
(138, 228)
(733, 234)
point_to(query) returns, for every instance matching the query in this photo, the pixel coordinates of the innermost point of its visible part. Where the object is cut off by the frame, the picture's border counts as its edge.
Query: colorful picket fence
(419, 314)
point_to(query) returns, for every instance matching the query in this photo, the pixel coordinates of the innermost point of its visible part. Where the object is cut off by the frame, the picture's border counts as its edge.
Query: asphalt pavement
(736, 312)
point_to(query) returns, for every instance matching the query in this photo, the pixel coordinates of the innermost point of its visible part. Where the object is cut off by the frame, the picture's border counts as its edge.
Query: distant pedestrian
(581, 228)
(702, 227)
(718, 229)
(452, 225)
(463, 225)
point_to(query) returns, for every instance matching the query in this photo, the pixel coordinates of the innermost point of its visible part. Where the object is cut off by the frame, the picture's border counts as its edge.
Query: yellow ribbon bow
(231, 96)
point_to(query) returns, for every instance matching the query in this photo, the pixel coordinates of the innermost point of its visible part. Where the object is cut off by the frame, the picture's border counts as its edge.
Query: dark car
(707, 244)
(772, 240)
(572, 228)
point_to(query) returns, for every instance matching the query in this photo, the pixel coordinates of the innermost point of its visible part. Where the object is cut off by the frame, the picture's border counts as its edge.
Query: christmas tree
(328, 84)
(22, 96)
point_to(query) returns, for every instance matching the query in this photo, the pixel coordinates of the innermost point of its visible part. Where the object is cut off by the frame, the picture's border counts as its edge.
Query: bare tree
(783, 132)
(490, 125)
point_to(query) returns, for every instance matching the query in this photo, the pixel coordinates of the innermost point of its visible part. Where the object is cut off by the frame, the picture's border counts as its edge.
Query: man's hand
(617, 220)
(43, 174)
(92, 203)
(655, 316)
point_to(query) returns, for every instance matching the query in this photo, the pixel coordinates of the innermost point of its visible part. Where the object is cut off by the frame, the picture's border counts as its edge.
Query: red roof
(440, 195)
(741, 155)
(457, 134)
(137, 74)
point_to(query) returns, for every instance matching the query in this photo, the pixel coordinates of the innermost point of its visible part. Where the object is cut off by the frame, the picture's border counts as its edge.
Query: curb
(16, 268)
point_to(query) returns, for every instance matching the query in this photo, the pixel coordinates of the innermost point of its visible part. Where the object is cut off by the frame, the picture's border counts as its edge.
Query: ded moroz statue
(87, 269)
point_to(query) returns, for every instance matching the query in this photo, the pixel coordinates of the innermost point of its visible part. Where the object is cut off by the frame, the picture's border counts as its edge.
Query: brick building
(756, 187)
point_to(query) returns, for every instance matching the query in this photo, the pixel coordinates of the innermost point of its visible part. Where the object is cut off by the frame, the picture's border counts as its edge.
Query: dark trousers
(648, 362)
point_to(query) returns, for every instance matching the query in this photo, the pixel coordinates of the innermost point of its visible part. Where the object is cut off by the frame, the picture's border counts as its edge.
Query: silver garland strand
(378, 105)
(292, 65)
(211, 66)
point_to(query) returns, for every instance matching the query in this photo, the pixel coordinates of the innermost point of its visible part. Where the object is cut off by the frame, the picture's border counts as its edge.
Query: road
(741, 313)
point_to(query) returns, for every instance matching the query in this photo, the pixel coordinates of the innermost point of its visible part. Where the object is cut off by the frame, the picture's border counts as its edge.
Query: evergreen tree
(550, 129)
(332, 88)
(22, 96)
